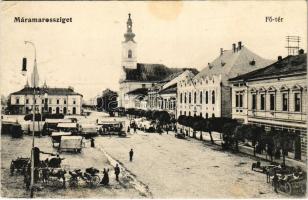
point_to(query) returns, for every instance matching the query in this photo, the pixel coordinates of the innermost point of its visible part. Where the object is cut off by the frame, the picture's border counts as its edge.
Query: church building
(136, 77)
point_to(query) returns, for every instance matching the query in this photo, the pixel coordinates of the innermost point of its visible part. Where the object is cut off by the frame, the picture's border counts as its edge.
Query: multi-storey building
(48, 100)
(208, 94)
(275, 97)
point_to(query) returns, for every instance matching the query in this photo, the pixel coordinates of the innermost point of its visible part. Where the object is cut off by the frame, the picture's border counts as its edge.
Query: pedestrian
(167, 128)
(275, 182)
(128, 129)
(117, 172)
(135, 128)
(105, 179)
(131, 154)
(92, 143)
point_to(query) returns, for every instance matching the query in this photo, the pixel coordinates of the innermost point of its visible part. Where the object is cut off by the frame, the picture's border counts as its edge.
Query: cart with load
(71, 143)
(68, 127)
(112, 128)
(19, 165)
(292, 184)
(56, 137)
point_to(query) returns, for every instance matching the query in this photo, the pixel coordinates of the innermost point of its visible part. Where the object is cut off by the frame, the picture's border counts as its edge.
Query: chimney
(221, 51)
(233, 47)
(279, 58)
(239, 45)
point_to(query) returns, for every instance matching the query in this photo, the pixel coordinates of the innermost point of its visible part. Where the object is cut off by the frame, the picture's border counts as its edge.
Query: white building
(208, 94)
(58, 100)
(275, 97)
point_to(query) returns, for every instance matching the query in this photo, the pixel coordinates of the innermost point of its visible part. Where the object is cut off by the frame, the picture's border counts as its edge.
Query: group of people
(105, 179)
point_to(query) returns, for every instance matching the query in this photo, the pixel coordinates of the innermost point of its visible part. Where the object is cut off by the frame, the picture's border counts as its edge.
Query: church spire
(129, 35)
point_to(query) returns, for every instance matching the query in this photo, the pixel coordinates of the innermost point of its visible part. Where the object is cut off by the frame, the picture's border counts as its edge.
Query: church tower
(129, 47)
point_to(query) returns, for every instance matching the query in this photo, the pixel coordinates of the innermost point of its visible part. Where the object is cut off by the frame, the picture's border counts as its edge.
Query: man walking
(117, 172)
(131, 154)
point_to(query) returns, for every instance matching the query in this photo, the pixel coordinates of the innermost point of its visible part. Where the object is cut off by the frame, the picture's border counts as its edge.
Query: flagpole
(33, 120)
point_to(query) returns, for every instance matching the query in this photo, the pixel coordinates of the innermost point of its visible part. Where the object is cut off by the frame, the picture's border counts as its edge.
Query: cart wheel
(288, 188)
(95, 180)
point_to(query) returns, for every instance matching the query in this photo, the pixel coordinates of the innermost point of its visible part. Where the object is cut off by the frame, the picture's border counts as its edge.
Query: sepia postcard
(153, 99)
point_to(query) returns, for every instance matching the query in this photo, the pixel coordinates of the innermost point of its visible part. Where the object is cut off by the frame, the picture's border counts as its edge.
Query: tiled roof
(50, 91)
(287, 66)
(169, 90)
(138, 91)
(231, 64)
(152, 73)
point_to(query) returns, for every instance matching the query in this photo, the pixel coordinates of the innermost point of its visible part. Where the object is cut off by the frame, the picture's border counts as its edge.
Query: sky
(86, 54)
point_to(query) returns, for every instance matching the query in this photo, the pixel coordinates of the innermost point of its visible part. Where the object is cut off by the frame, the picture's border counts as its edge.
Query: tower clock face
(129, 26)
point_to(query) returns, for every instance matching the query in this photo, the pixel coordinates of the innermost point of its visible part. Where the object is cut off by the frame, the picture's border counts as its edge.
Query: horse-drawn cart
(56, 137)
(292, 185)
(71, 143)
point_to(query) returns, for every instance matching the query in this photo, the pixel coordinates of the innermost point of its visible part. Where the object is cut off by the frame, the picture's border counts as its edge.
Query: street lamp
(24, 70)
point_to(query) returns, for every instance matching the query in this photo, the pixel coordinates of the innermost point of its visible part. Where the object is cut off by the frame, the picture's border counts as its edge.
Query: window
(239, 100)
(272, 101)
(254, 101)
(262, 101)
(189, 114)
(206, 97)
(58, 101)
(285, 101)
(200, 97)
(130, 54)
(195, 97)
(185, 99)
(180, 112)
(206, 115)
(17, 100)
(189, 99)
(42, 101)
(74, 101)
(64, 101)
(181, 98)
(185, 113)
(213, 115)
(297, 102)
(27, 101)
(35, 101)
(200, 114)
(213, 97)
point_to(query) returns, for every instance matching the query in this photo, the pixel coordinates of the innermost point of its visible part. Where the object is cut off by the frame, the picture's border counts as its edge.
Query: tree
(282, 140)
(164, 117)
(228, 130)
(198, 125)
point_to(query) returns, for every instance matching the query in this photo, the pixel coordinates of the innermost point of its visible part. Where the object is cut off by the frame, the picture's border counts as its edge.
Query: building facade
(208, 94)
(58, 101)
(275, 97)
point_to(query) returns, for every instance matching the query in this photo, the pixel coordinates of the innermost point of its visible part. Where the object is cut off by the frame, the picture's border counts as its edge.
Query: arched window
(206, 97)
(181, 97)
(195, 97)
(130, 54)
(200, 97)
(213, 97)
(185, 98)
(189, 100)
